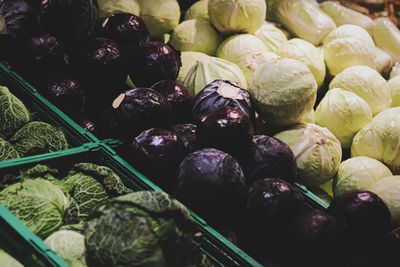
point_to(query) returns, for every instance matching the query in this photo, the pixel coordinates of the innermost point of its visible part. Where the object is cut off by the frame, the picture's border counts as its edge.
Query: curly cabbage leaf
(145, 228)
(38, 203)
(69, 245)
(7, 150)
(13, 113)
(90, 186)
(38, 137)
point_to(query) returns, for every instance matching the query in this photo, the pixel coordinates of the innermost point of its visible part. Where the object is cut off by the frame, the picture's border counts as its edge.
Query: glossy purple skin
(180, 98)
(364, 214)
(69, 20)
(226, 129)
(141, 109)
(63, 90)
(313, 235)
(212, 97)
(211, 183)
(269, 157)
(187, 134)
(154, 62)
(157, 153)
(20, 19)
(126, 29)
(274, 200)
(47, 52)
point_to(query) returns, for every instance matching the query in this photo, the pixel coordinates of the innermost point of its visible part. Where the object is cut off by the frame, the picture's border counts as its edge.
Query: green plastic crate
(220, 250)
(42, 109)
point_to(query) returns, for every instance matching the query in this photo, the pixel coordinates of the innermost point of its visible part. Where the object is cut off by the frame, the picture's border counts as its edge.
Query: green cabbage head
(239, 16)
(38, 137)
(160, 16)
(380, 139)
(13, 113)
(272, 36)
(347, 46)
(144, 228)
(318, 152)
(344, 113)
(359, 173)
(189, 59)
(343, 15)
(110, 7)
(7, 150)
(198, 10)
(195, 35)
(303, 18)
(307, 53)
(284, 90)
(209, 69)
(387, 37)
(367, 83)
(38, 203)
(69, 245)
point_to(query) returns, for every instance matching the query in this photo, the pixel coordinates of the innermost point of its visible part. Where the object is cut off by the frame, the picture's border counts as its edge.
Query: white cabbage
(387, 37)
(394, 87)
(388, 189)
(272, 36)
(367, 83)
(343, 113)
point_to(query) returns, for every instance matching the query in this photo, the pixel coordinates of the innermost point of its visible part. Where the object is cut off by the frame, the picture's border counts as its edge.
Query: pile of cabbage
(76, 214)
(318, 75)
(20, 135)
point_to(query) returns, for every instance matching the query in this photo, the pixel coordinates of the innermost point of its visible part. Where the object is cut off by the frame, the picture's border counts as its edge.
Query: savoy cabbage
(13, 113)
(144, 228)
(38, 137)
(7, 151)
(38, 203)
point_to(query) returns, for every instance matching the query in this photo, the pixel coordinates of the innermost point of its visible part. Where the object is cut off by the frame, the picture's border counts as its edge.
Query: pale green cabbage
(245, 50)
(8, 261)
(388, 189)
(380, 139)
(38, 203)
(160, 16)
(303, 18)
(195, 35)
(13, 113)
(343, 15)
(209, 69)
(198, 10)
(110, 7)
(383, 62)
(309, 118)
(189, 59)
(359, 173)
(38, 137)
(343, 113)
(239, 16)
(308, 54)
(7, 150)
(387, 37)
(318, 152)
(394, 87)
(284, 91)
(253, 61)
(347, 46)
(272, 36)
(69, 245)
(367, 83)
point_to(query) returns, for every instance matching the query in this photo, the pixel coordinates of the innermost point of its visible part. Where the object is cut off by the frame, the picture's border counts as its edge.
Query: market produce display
(233, 107)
